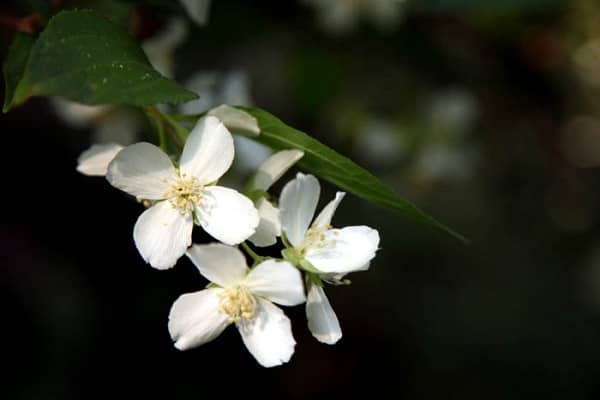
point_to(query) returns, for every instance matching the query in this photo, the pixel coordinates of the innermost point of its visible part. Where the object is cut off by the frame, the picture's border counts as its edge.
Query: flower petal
(227, 215)
(268, 336)
(223, 265)
(322, 321)
(195, 319)
(237, 121)
(324, 217)
(297, 205)
(345, 250)
(278, 281)
(197, 10)
(78, 115)
(269, 226)
(274, 167)
(162, 235)
(142, 170)
(94, 161)
(208, 152)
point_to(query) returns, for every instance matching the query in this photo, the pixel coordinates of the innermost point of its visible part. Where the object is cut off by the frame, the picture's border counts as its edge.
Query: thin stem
(162, 137)
(180, 131)
(251, 253)
(285, 241)
(165, 126)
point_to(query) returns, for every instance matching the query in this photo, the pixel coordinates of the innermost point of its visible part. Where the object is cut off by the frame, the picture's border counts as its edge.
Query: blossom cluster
(182, 194)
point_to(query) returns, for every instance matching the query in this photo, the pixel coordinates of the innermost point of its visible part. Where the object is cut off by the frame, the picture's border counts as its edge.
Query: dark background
(515, 314)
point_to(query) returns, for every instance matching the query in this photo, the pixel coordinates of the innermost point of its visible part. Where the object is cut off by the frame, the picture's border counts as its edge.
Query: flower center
(184, 193)
(316, 238)
(237, 303)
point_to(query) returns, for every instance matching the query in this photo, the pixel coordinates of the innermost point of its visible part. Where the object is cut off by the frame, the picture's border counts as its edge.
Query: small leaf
(335, 168)
(14, 66)
(86, 58)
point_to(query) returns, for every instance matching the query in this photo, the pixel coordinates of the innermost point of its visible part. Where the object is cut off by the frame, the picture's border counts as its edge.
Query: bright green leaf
(335, 168)
(86, 58)
(14, 66)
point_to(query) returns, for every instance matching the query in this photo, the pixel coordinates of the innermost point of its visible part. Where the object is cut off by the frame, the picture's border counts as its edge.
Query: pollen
(317, 239)
(184, 193)
(237, 303)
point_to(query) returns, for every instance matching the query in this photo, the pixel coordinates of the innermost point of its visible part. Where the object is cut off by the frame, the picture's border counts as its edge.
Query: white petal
(208, 152)
(364, 267)
(227, 215)
(78, 115)
(142, 170)
(324, 217)
(223, 265)
(160, 48)
(297, 205)
(269, 227)
(268, 336)
(195, 319)
(322, 321)
(236, 120)
(345, 250)
(197, 10)
(274, 167)
(94, 161)
(278, 281)
(162, 235)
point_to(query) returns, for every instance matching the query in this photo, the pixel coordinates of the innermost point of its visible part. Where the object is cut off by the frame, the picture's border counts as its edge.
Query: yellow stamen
(237, 303)
(316, 238)
(184, 193)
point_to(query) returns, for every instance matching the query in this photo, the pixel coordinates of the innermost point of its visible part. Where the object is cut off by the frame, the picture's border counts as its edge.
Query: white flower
(244, 297)
(269, 227)
(94, 161)
(163, 232)
(330, 251)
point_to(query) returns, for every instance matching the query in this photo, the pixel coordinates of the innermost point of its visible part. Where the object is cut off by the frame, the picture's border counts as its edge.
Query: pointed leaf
(87, 58)
(14, 66)
(335, 168)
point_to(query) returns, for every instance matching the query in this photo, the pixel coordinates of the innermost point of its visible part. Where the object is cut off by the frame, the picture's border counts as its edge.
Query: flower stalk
(255, 257)
(165, 127)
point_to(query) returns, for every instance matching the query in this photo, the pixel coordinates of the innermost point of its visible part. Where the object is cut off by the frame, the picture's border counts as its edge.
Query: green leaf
(335, 168)
(86, 58)
(14, 66)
